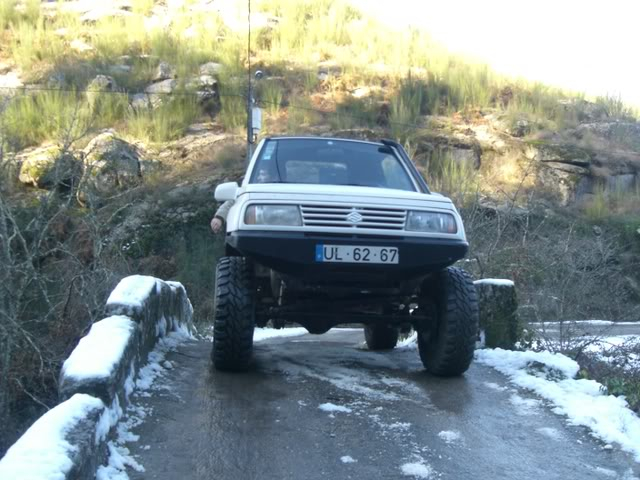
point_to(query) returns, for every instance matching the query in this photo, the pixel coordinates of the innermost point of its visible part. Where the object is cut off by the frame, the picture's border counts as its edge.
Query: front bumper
(293, 254)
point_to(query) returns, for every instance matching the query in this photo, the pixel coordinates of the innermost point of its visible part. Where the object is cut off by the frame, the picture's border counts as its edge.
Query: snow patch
(417, 470)
(450, 436)
(409, 343)
(347, 459)
(494, 281)
(551, 433)
(524, 406)
(260, 334)
(582, 401)
(330, 407)
(495, 386)
(120, 458)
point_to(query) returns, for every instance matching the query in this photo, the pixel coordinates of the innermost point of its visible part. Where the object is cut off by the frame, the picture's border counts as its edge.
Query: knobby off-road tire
(446, 349)
(234, 319)
(380, 337)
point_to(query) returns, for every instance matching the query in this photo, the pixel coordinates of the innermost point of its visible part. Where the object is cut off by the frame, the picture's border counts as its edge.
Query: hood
(344, 195)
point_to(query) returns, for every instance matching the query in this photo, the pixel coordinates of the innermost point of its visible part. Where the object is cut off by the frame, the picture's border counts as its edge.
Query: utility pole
(249, 121)
(249, 92)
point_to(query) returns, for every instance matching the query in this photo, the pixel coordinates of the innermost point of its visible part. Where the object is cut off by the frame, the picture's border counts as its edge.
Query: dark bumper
(294, 254)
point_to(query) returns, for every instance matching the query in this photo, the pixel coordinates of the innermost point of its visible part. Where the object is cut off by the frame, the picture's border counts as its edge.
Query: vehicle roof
(315, 137)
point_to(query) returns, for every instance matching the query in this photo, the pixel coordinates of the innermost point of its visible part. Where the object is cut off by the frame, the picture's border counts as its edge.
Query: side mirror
(226, 191)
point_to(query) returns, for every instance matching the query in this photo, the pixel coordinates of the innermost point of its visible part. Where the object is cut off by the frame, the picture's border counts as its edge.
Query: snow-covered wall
(69, 441)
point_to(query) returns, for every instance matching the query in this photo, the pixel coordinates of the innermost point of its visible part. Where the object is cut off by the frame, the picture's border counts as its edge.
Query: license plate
(359, 254)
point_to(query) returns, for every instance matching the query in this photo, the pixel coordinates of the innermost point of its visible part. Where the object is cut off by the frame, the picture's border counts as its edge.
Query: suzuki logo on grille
(354, 217)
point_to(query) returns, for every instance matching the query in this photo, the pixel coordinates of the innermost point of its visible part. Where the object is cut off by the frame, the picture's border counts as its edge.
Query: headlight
(431, 222)
(273, 215)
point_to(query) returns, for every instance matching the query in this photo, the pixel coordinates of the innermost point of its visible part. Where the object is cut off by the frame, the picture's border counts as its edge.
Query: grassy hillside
(52, 47)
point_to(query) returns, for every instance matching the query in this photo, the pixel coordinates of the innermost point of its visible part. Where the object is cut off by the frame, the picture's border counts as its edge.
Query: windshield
(330, 162)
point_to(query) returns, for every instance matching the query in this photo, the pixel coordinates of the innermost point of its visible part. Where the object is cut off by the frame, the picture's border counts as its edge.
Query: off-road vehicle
(328, 231)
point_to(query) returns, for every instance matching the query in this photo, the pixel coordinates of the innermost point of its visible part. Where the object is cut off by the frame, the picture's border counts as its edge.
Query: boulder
(100, 85)
(499, 323)
(80, 46)
(49, 167)
(158, 92)
(119, 69)
(162, 87)
(111, 165)
(164, 71)
(211, 68)
(206, 89)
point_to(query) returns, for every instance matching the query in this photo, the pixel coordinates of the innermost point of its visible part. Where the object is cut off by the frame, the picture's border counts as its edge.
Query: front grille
(353, 217)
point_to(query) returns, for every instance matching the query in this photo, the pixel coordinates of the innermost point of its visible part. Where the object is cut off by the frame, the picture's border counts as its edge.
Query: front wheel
(380, 337)
(234, 318)
(447, 345)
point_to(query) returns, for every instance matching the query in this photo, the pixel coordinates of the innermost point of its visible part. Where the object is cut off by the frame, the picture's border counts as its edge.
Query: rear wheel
(447, 344)
(380, 337)
(234, 318)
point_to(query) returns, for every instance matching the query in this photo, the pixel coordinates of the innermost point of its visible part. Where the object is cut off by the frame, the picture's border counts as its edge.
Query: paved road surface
(267, 424)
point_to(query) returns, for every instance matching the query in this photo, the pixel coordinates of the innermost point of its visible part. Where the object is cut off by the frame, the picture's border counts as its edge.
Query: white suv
(327, 231)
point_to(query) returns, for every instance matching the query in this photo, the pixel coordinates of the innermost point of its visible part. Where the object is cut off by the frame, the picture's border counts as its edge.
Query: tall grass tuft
(456, 179)
(406, 108)
(270, 94)
(597, 208)
(31, 119)
(32, 44)
(233, 111)
(301, 113)
(614, 107)
(167, 122)
(8, 13)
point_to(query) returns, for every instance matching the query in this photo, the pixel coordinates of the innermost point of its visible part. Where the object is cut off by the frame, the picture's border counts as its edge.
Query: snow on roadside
(260, 334)
(449, 436)
(416, 470)
(120, 458)
(411, 342)
(551, 376)
(604, 323)
(347, 459)
(330, 407)
(500, 282)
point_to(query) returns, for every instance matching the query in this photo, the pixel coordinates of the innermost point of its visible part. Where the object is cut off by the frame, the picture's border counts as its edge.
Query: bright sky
(589, 45)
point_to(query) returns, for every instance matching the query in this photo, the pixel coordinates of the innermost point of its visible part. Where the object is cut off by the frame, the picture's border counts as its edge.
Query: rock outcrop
(111, 165)
(49, 166)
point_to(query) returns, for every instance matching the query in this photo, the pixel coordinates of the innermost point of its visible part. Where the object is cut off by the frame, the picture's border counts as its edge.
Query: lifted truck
(328, 231)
